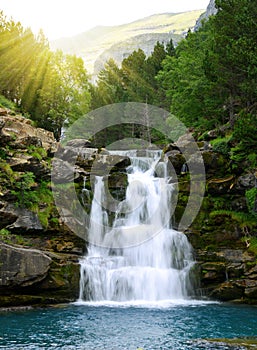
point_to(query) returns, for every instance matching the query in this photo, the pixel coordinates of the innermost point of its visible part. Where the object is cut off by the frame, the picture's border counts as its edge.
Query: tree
(234, 46)
(64, 95)
(189, 92)
(109, 87)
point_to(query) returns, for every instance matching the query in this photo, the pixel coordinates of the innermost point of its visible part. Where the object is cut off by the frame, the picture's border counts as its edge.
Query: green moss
(243, 219)
(221, 145)
(7, 172)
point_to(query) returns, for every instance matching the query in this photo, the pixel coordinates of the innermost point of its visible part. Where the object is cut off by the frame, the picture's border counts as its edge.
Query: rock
(62, 171)
(176, 161)
(78, 143)
(236, 256)
(79, 154)
(19, 131)
(8, 215)
(104, 164)
(228, 291)
(215, 164)
(22, 267)
(245, 182)
(211, 10)
(30, 276)
(214, 271)
(251, 289)
(19, 220)
(3, 111)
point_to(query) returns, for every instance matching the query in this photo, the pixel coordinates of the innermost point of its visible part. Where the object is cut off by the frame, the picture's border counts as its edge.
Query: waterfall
(137, 256)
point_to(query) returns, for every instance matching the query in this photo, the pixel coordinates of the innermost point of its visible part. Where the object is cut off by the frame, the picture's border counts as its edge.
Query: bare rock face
(211, 10)
(22, 267)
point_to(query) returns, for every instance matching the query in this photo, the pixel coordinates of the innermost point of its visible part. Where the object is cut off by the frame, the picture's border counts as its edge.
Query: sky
(63, 18)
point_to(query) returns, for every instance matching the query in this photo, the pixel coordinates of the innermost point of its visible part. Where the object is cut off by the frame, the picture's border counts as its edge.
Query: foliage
(135, 80)
(51, 87)
(245, 138)
(245, 220)
(25, 196)
(252, 242)
(251, 196)
(221, 145)
(4, 102)
(4, 232)
(37, 152)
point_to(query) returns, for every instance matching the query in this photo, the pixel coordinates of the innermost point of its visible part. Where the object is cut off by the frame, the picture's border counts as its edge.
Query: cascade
(137, 256)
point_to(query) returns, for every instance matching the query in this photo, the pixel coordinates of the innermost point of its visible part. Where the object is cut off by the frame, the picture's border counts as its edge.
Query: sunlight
(66, 18)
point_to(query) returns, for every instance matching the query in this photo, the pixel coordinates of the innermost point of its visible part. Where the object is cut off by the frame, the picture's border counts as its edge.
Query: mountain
(211, 10)
(102, 42)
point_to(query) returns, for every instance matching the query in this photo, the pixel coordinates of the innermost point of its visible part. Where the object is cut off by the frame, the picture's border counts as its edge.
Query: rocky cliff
(211, 10)
(38, 254)
(39, 251)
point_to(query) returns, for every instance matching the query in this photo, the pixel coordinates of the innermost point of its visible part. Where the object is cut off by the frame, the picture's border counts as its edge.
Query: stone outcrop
(30, 276)
(22, 267)
(19, 133)
(228, 275)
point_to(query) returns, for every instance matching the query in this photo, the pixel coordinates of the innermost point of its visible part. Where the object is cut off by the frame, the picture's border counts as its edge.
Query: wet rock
(213, 271)
(104, 164)
(214, 163)
(228, 291)
(175, 162)
(22, 267)
(30, 276)
(251, 289)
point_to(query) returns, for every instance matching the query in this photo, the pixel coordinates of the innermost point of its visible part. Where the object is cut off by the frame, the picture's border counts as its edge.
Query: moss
(222, 145)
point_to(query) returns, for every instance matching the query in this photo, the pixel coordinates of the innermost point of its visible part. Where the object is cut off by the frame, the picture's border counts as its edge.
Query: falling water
(137, 257)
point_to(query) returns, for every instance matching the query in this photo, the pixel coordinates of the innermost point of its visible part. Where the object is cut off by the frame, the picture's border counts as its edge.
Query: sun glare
(66, 18)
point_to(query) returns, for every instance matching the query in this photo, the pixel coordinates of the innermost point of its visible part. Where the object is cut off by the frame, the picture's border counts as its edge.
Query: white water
(139, 258)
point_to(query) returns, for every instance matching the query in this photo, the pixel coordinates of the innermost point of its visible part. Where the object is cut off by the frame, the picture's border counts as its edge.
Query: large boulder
(22, 267)
(31, 276)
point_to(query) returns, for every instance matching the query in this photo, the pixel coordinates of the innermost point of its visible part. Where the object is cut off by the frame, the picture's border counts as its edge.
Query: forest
(208, 80)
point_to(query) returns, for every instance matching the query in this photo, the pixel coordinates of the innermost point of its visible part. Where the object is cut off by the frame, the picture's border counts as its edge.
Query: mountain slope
(91, 44)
